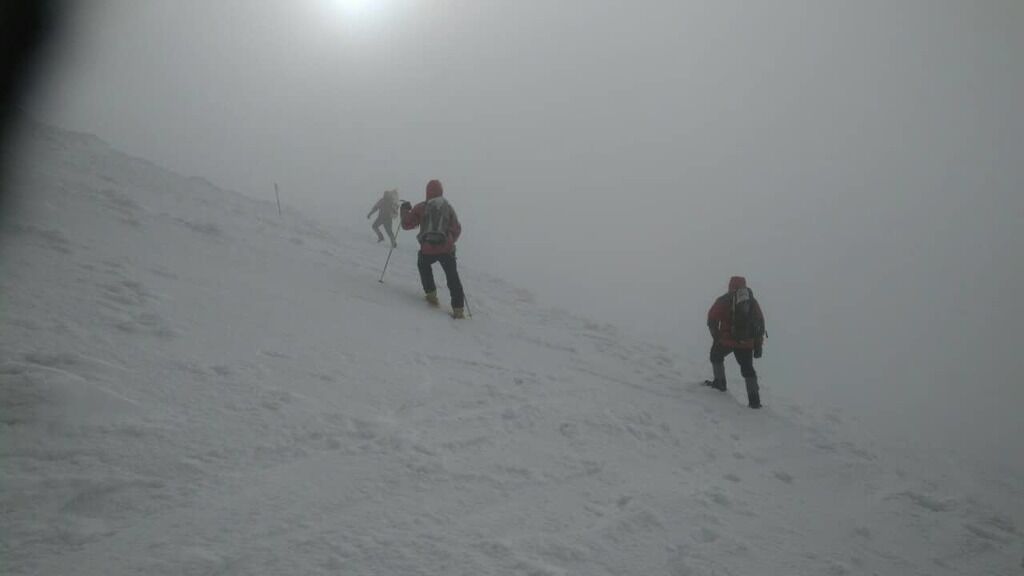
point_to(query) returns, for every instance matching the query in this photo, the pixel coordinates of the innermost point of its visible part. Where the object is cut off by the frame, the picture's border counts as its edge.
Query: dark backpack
(437, 216)
(746, 323)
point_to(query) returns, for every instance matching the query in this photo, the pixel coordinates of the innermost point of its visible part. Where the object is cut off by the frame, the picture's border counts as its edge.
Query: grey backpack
(747, 324)
(437, 215)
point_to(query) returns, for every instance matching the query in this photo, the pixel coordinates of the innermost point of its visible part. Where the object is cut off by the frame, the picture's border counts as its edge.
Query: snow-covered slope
(192, 385)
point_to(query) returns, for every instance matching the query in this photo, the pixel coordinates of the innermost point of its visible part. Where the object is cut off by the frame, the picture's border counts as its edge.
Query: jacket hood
(434, 189)
(737, 282)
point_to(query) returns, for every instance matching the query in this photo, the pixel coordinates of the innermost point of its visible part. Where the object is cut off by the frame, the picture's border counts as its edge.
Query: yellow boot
(432, 298)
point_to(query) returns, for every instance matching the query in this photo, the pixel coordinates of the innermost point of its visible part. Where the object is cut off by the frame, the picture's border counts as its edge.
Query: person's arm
(760, 316)
(375, 208)
(759, 341)
(410, 216)
(714, 318)
(454, 227)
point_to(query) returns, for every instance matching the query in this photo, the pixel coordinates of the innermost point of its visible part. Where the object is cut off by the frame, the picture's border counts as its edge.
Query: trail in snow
(192, 385)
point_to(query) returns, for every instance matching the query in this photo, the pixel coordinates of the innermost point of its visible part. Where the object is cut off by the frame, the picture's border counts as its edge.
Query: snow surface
(192, 385)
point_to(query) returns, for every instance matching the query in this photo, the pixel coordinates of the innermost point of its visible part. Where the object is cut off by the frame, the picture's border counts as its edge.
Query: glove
(406, 206)
(758, 351)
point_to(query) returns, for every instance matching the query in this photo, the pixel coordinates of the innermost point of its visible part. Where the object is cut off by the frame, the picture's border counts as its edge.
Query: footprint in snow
(984, 533)
(783, 477)
(1002, 523)
(46, 237)
(720, 499)
(51, 360)
(924, 501)
(275, 354)
(706, 536)
(163, 273)
(147, 322)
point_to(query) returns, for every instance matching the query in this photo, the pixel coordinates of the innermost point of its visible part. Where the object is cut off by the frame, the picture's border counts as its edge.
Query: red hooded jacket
(720, 317)
(411, 219)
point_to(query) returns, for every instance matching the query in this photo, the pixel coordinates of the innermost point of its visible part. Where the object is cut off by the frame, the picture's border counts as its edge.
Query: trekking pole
(465, 300)
(390, 250)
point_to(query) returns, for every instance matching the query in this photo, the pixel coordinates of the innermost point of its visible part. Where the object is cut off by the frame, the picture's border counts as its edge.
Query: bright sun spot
(354, 10)
(357, 20)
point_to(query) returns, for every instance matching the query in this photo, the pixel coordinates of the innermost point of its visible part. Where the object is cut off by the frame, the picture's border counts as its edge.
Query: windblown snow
(191, 384)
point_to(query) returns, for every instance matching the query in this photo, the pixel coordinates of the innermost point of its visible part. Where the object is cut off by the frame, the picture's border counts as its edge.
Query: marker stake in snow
(278, 196)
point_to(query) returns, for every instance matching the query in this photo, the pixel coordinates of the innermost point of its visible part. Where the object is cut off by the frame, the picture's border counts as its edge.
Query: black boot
(719, 382)
(753, 393)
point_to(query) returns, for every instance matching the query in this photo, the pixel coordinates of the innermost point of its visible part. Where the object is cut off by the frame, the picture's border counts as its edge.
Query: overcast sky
(862, 163)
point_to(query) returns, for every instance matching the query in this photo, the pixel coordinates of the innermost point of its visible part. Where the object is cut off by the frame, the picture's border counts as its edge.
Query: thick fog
(861, 163)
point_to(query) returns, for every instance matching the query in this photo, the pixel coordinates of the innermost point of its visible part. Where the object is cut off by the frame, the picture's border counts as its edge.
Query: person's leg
(376, 228)
(718, 354)
(745, 358)
(451, 273)
(389, 228)
(424, 262)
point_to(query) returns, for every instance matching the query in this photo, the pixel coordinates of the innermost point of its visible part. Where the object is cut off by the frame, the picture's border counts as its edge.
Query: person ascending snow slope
(439, 230)
(385, 209)
(737, 327)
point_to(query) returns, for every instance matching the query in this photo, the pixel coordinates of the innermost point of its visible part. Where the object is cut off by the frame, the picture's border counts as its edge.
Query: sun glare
(355, 10)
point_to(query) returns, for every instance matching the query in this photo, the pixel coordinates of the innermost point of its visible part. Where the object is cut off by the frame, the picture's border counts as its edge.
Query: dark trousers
(744, 356)
(451, 273)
